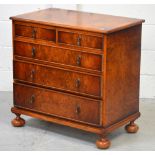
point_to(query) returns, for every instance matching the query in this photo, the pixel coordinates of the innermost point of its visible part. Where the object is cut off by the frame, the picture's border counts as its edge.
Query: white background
(147, 12)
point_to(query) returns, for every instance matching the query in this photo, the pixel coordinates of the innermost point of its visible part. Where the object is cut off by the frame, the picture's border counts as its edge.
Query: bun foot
(103, 143)
(131, 128)
(18, 121)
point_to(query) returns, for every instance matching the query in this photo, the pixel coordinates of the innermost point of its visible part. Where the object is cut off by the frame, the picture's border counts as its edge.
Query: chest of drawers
(77, 69)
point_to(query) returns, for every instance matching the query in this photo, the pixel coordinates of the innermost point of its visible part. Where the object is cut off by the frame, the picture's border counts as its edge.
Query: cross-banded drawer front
(35, 32)
(46, 34)
(80, 40)
(58, 78)
(58, 55)
(57, 103)
(25, 31)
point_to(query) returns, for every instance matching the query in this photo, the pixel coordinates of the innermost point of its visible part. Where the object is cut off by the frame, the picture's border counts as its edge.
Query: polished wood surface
(79, 20)
(58, 78)
(55, 103)
(74, 124)
(58, 55)
(18, 121)
(35, 32)
(103, 143)
(131, 127)
(76, 39)
(77, 72)
(122, 74)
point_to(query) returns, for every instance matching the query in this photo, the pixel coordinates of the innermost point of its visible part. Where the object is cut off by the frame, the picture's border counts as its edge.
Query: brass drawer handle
(77, 83)
(32, 99)
(79, 41)
(34, 33)
(77, 109)
(33, 52)
(32, 74)
(78, 60)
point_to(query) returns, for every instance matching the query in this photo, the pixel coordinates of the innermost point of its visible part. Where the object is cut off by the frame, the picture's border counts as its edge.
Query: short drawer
(35, 32)
(24, 31)
(58, 55)
(58, 78)
(58, 104)
(80, 40)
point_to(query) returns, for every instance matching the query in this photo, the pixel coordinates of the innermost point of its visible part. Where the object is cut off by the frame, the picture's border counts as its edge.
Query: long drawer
(58, 78)
(57, 104)
(58, 55)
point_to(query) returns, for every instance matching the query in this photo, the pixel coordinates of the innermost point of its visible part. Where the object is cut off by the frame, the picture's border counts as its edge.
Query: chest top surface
(79, 20)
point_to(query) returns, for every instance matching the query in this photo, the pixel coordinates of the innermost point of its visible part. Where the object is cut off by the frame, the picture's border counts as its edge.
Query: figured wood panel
(57, 78)
(67, 37)
(57, 104)
(92, 41)
(122, 74)
(81, 40)
(58, 55)
(35, 32)
(79, 20)
(46, 34)
(25, 31)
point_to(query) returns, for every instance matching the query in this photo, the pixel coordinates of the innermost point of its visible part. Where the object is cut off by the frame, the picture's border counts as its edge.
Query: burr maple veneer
(77, 69)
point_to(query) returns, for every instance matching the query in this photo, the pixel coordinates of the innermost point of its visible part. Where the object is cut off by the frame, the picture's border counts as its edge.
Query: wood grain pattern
(58, 55)
(46, 34)
(25, 31)
(35, 32)
(79, 20)
(57, 104)
(76, 39)
(86, 127)
(57, 78)
(77, 69)
(122, 74)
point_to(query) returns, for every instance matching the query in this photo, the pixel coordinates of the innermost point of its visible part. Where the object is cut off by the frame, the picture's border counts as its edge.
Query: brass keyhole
(33, 52)
(32, 99)
(79, 41)
(32, 74)
(77, 109)
(77, 83)
(34, 33)
(78, 60)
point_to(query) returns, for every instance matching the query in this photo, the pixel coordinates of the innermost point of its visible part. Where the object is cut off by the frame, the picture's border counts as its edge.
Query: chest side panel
(122, 74)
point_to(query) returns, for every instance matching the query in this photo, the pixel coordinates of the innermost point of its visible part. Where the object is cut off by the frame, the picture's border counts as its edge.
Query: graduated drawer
(81, 40)
(58, 55)
(33, 32)
(57, 103)
(57, 78)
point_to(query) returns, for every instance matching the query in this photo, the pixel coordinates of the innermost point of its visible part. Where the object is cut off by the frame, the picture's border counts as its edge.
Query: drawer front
(57, 104)
(91, 41)
(35, 32)
(58, 55)
(57, 78)
(24, 31)
(67, 38)
(80, 40)
(46, 34)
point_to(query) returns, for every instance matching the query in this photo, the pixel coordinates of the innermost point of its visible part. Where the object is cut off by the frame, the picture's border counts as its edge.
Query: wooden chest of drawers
(77, 69)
